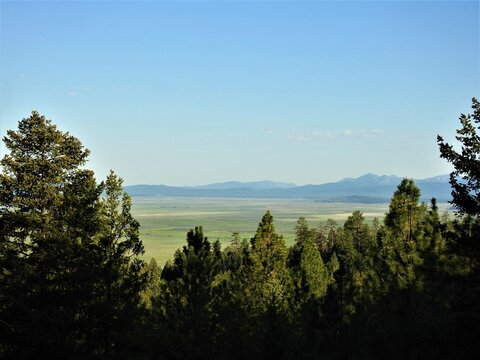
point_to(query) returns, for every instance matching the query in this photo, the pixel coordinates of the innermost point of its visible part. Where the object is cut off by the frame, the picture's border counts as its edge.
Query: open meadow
(165, 220)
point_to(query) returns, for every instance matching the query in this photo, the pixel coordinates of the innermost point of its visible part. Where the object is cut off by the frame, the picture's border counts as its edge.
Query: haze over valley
(369, 188)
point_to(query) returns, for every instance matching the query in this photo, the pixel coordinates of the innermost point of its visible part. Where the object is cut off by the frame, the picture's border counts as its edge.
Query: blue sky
(187, 93)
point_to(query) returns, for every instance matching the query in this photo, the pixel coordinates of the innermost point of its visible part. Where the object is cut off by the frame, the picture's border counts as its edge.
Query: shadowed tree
(48, 209)
(271, 279)
(309, 274)
(463, 235)
(310, 279)
(185, 304)
(59, 241)
(402, 235)
(119, 269)
(152, 288)
(465, 179)
(465, 182)
(268, 289)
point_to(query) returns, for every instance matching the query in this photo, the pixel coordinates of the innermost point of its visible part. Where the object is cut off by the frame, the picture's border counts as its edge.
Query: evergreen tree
(403, 214)
(463, 234)
(327, 238)
(465, 179)
(400, 269)
(402, 235)
(153, 274)
(310, 279)
(433, 251)
(119, 268)
(234, 330)
(185, 304)
(235, 256)
(59, 242)
(48, 213)
(309, 273)
(271, 282)
(268, 290)
(359, 250)
(465, 182)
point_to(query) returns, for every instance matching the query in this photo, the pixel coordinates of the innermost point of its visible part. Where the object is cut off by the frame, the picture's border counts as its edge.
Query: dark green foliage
(269, 279)
(402, 235)
(72, 284)
(151, 291)
(311, 280)
(41, 287)
(465, 179)
(309, 273)
(268, 290)
(118, 269)
(68, 270)
(236, 255)
(465, 182)
(359, 249)
(434, 245)
(462, 236)
(462, 239)
(403, 214)
(184, 306)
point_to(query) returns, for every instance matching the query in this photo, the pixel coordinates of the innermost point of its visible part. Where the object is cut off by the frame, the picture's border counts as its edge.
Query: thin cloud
(75, 91)
(298, 138)
(327, 134)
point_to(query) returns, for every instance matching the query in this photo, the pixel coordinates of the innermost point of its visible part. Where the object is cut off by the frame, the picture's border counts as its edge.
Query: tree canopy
(69, 266)
(465, 179)
(73, 284)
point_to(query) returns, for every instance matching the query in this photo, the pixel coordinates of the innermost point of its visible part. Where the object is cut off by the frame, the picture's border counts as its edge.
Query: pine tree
(152, 287)
(34, 175)
(310, 280)
(309, 273)
(60, 241)
(402, 233)
(465, 179)
(268, 290)
(465, 182)
(360, 254)
(119, 269)
(48, 209)
(271, 280)
(185, 304)
(433, 249)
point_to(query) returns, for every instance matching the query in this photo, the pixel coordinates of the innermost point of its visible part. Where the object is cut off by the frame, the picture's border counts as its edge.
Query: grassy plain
(165, 220)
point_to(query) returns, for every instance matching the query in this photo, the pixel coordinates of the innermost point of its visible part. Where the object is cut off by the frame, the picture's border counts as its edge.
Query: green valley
(164, 221)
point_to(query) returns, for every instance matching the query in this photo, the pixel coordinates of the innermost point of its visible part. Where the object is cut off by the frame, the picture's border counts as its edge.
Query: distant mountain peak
(437, 179)
(365, 188)
(252, 185)
(371, 179)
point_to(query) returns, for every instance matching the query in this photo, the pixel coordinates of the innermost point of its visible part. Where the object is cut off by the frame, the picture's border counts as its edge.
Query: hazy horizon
(282, 182)
(192, 93)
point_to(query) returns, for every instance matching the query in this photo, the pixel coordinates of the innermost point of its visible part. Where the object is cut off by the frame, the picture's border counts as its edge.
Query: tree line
(73, 285)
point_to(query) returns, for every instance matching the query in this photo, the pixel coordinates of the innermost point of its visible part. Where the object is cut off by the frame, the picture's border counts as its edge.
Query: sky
(191, 93)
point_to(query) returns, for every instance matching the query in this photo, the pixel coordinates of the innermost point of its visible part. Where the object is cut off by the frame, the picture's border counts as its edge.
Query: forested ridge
(73, 285)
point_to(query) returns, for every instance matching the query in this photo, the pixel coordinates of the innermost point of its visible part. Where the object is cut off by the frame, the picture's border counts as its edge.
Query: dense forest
(73, 285)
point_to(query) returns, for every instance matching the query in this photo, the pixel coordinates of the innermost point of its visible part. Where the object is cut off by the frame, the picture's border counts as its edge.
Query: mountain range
(369, 188)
